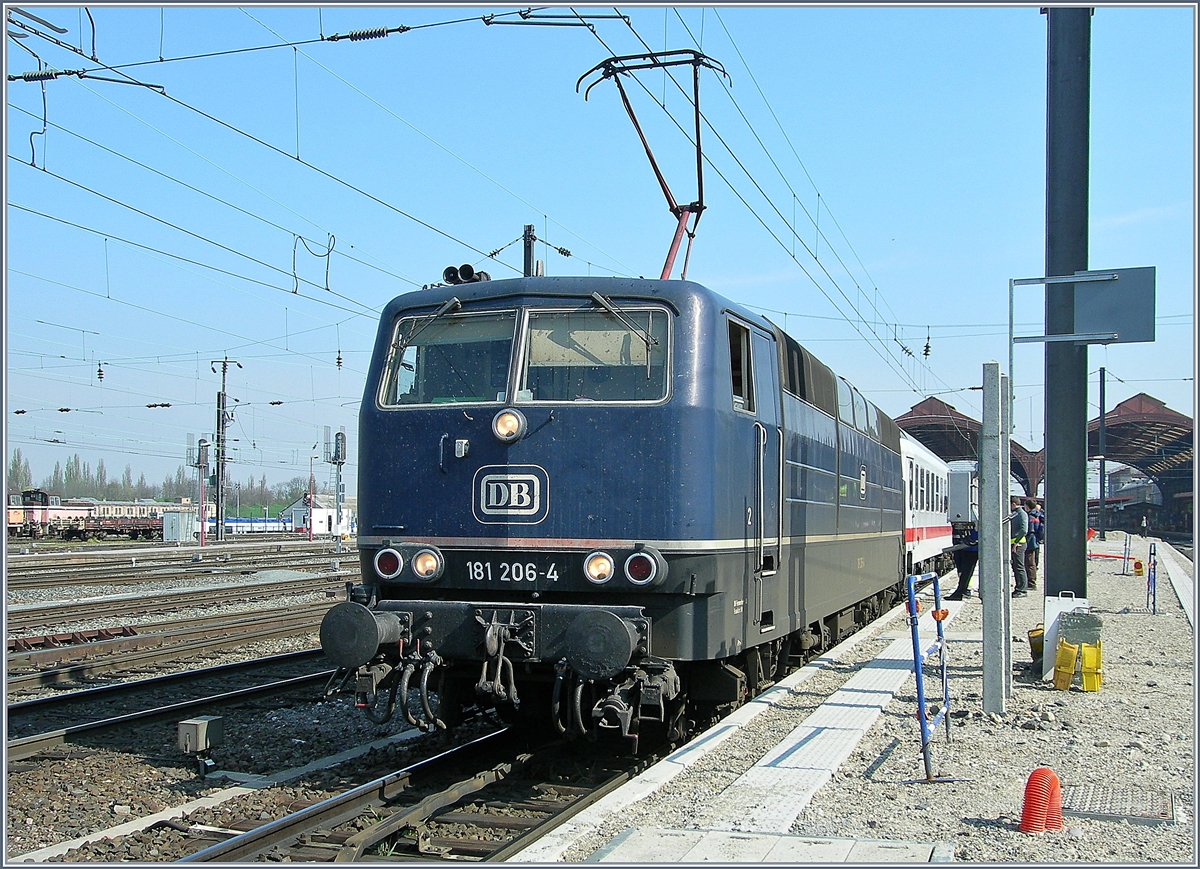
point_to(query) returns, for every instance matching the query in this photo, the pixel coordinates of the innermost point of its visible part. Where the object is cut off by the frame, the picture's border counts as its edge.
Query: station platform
(749, 820)
(754, 816)
(657, 845)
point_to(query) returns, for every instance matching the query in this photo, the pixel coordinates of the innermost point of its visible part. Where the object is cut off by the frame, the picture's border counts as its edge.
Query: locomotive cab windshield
(565, 355)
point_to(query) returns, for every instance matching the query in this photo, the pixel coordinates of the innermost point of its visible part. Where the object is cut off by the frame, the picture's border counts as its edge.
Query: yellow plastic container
(1138, 569)
(1037, 639)
(1090, 671)
(1064, 664)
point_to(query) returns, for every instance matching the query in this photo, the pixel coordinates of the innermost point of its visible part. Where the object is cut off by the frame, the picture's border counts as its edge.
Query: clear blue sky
(903, 147)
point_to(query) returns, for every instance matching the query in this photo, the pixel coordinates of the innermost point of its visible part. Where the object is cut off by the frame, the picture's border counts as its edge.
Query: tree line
(77, 479)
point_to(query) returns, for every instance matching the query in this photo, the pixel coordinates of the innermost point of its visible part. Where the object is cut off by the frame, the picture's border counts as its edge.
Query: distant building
(324, 515)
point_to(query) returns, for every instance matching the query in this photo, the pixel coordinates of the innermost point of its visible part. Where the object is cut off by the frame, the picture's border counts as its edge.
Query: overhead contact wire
(214, 198)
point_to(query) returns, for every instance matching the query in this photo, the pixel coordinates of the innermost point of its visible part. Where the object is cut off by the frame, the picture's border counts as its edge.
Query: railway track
(481, 801)
(126, 653)
(23, 618)
(232, 634)
(134, 570)
(47, 722)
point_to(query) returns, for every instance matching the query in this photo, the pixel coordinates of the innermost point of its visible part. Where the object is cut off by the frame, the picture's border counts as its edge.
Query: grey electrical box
(1124, 306)
(201, 733)
(963, 497)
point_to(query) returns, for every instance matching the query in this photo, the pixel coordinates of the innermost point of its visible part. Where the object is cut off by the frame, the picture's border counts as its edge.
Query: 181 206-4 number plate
(495, 570)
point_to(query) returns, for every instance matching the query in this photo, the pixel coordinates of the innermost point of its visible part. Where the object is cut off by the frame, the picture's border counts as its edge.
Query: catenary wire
(213, 197)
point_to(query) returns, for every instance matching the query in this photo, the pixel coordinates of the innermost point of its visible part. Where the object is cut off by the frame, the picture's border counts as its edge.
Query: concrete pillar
(993, 582)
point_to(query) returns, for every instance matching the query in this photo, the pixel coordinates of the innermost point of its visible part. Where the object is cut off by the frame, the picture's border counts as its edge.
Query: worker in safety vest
(1018, 527)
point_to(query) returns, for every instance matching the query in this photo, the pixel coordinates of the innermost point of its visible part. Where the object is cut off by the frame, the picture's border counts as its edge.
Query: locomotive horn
(466, 273)
(482, 276)
(451, 276)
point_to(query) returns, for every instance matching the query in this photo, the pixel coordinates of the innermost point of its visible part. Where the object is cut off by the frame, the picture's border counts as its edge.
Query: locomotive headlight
(427, 564)
(598, 567)
(388, 563)
(509, 425)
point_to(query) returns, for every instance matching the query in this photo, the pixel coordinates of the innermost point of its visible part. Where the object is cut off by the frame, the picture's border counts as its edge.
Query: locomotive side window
(860, 412)
(593, 356)
(872, 421)
(793, 380)
(740, 367)
(453, 359)
(845, 403)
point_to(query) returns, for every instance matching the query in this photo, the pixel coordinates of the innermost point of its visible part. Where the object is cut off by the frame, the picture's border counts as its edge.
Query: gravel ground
(90, 788)
(1138, 731)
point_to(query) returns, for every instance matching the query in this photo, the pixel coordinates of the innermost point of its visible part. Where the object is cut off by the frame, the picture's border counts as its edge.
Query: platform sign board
(1124, 306)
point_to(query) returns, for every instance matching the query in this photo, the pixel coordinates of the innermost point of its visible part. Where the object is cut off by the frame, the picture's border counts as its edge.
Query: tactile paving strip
(1136, 805)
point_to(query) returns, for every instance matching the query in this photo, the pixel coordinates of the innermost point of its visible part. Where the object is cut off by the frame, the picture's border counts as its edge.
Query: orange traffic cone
(1042, 808)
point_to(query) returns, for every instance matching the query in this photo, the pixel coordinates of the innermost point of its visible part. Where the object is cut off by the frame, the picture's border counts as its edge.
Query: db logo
(512, 493)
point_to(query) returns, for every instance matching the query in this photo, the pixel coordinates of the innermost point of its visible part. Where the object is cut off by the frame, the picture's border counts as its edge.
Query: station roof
(1141, 432)
(954, 437)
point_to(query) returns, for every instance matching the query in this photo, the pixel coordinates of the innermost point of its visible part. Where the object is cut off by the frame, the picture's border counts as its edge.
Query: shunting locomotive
(606, 504)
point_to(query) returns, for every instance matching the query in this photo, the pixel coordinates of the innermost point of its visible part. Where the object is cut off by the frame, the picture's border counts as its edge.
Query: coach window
(912, 484)
(740, 367)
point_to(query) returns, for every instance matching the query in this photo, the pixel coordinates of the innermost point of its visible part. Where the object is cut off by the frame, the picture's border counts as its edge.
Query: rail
(26, 747)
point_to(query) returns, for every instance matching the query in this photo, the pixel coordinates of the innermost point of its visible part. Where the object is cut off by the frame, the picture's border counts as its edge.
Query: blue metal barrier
(914, 616)
(1152, 579)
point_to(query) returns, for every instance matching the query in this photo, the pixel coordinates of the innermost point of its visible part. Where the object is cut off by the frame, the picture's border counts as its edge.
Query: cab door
(756, 399)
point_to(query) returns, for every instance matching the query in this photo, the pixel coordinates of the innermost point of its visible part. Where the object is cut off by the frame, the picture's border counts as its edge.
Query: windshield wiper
(453, 305)
(646, 337)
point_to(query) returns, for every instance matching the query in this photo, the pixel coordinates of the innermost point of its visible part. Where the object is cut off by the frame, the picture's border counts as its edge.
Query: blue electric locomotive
(608, 502)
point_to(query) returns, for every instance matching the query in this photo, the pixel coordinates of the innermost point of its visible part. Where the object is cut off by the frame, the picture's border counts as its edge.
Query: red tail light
(388, 563)
(640, 568)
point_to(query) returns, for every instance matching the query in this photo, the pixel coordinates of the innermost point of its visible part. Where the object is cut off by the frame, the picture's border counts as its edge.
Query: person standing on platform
(1018, 528)
(1145, 526)
(1033, 542)
(966, 556)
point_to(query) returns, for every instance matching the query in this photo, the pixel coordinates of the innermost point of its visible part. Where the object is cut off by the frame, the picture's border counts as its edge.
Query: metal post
(1103, 479)
(993, 589)
(339, 458)
(338, 495)
(311, 498)
(1068, 58)
(1006, 406)
(529, 239)
(202, 468)
(222, 420)
(220, 461)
